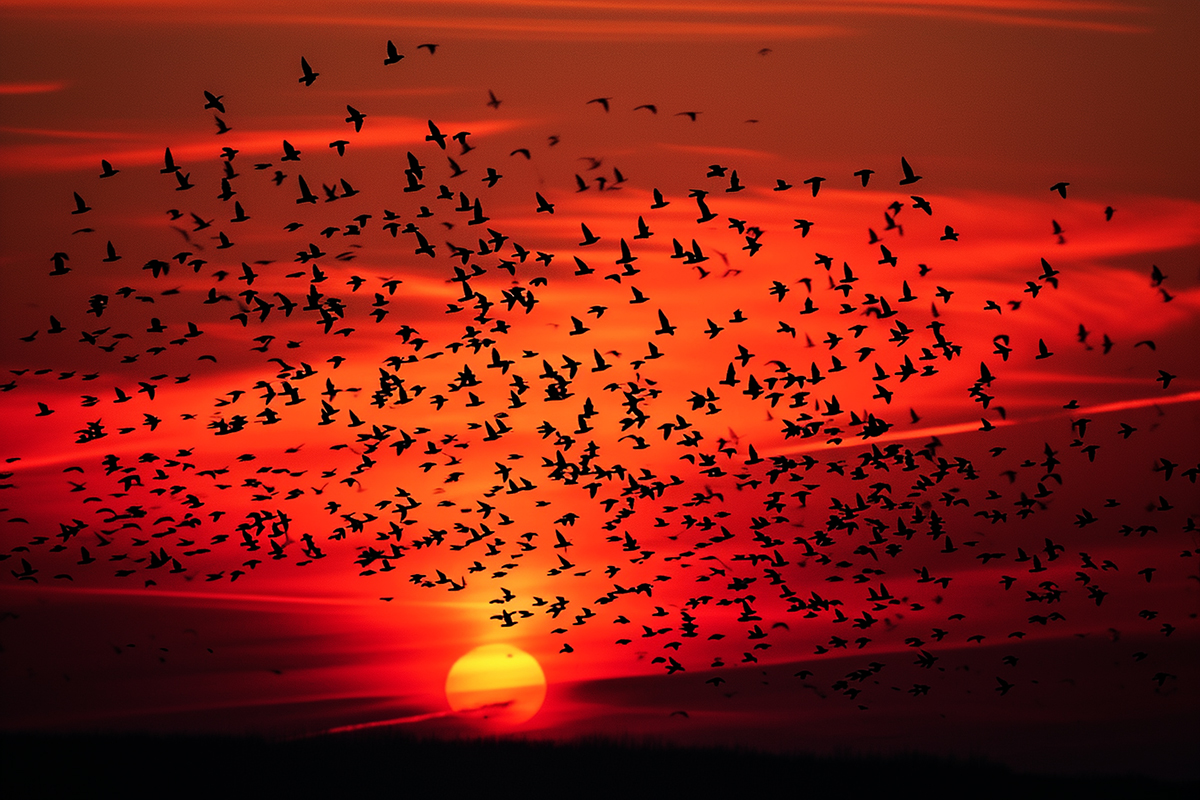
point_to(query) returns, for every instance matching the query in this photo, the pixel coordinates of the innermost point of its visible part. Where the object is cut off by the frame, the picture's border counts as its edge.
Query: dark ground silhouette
(65, 765)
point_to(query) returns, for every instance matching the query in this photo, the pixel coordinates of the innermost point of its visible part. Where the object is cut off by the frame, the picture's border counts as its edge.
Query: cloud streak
(626, 21)
(33, 87)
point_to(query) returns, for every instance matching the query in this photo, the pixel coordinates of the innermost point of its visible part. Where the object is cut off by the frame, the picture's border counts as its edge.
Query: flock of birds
(710, 548)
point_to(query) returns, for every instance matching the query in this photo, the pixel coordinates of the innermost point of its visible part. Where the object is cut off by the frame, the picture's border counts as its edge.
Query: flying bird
(436, 136)
(910, 177)
(309, 76)
(356, 117)
(213, 101)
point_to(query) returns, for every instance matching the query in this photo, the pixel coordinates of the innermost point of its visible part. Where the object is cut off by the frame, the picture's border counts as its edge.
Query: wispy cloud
(67, 150)
(970, 427)
(32, 87)
(624, 20)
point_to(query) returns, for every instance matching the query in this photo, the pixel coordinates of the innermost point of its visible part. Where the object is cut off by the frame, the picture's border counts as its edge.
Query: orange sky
(992, 103)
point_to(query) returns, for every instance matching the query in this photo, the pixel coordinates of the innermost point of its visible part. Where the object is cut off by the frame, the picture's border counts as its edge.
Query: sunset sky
(827, 460)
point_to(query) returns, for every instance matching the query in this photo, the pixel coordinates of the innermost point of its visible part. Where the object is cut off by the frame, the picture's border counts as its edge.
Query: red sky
(992, 103)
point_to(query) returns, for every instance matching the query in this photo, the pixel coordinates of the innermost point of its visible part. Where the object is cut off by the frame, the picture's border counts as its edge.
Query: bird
(1049, 274)
(213, 101)
(603, 101)
(60, 268)
(306, 196)
(393, 56)
(168, 163)
(493, 102)
(910, 177)
(1061, 188)
(309, 76)
(356, 117)
(436, 136)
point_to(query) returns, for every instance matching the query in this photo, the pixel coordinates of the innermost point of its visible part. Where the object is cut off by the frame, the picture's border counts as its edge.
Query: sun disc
(496, 683)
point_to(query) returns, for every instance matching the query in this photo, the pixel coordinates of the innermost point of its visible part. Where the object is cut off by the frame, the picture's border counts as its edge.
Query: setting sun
(498, 683)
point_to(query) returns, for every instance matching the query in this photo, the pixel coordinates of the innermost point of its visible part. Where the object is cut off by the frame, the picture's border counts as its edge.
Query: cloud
(32, 87)
(630, 21)
(62, 150)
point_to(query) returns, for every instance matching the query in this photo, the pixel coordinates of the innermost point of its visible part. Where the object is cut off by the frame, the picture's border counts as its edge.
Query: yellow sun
(499, 683)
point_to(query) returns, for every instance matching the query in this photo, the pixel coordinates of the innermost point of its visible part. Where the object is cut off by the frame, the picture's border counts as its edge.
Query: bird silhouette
(356, 117)
(306, 196)
(213, 101)
(436, 136)
(309, 76)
